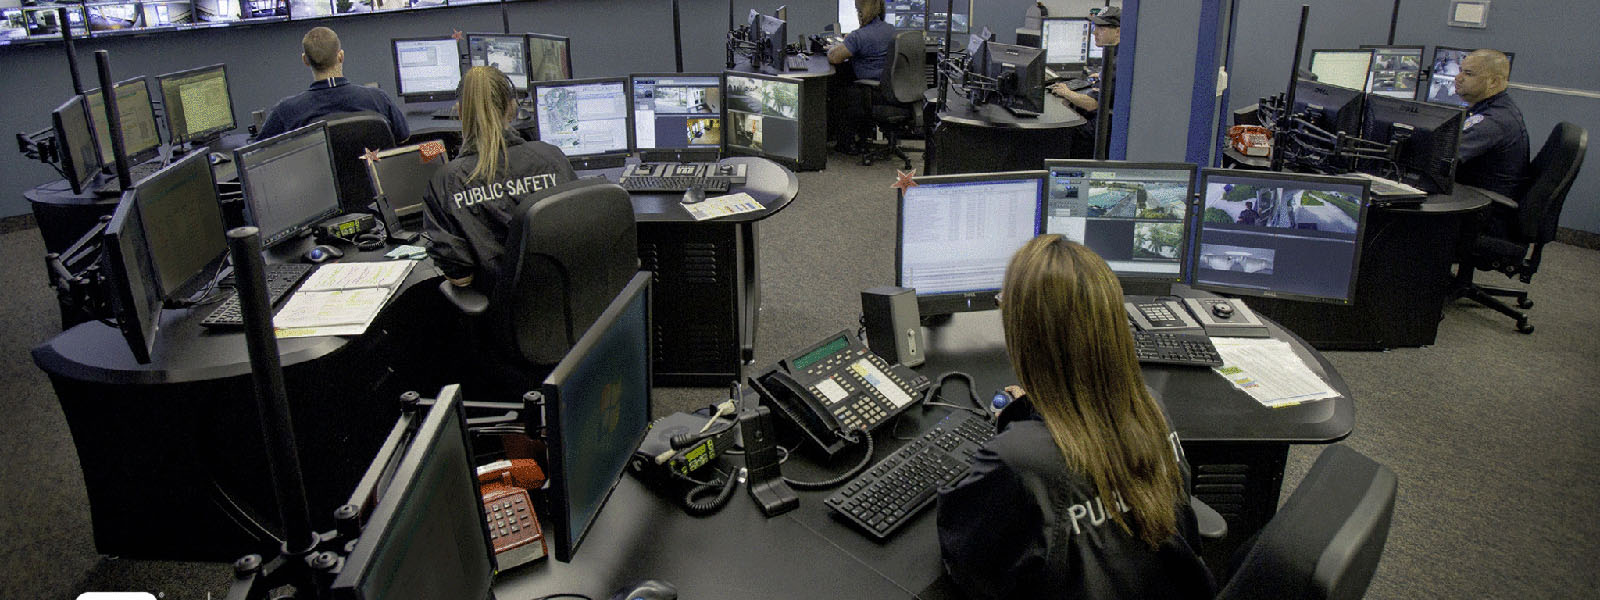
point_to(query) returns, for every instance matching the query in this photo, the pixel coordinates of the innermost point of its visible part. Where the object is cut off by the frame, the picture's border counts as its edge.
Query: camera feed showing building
(677, 111)
(1284, 207)
(1132, 217)
(1297, 238)
(762, 116)
(1394, 72)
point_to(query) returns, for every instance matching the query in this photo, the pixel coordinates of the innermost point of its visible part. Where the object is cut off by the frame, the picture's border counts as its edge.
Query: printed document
(1269, 371)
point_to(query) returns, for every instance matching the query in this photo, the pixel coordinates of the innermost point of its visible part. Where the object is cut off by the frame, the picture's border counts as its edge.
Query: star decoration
(371, 156)
(904, 179)
(431, 150)
(456, 33)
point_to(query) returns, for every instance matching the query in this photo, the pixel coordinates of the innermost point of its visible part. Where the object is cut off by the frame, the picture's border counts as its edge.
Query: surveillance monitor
(1396, 71)
(1134, 215)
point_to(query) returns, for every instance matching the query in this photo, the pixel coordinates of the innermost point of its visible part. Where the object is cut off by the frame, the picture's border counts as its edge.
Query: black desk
(989, 138)
(424, 126)
(813, 107)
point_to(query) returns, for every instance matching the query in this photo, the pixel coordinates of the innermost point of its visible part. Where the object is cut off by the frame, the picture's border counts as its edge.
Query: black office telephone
(836, 387)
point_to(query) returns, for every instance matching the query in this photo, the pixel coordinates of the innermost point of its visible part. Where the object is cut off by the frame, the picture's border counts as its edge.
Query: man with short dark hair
(1493, 152)
(330, 92)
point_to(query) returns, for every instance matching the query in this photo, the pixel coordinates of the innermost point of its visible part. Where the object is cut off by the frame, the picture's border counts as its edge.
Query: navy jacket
(331, 96)
(1494, 147)
(870, 47)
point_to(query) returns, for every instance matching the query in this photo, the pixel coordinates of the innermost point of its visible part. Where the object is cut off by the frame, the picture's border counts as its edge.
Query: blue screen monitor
(597, 402)
(957, 233)
(1279, 235)
(1134, 215)
(584, 117)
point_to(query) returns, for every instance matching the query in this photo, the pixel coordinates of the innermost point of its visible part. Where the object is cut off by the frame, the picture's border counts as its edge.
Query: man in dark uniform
(330, 93)
(866, 50)
(1493, 153)
(468, 220)
(1107, 32)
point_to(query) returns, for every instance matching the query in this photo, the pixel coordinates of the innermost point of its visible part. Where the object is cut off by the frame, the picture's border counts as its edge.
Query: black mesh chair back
(1554, 168)
(351, 135)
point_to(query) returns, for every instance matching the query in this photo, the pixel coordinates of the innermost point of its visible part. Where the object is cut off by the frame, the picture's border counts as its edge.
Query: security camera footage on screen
(1394, 72)
(1278, 237)
(1446, 66)
(1133, 218)
(762, 116)
(677, 111)
(583, 119)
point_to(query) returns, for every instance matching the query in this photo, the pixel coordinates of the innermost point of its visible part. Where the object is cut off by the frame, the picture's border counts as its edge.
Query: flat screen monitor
(975, 41)
(937, 17)
(1395, 71)
(217, 11)
(42, 22)
(424, 532)
(1344, 68)
(1134, 215)
(1020, 71)
(1280, 235)
(1066, 42)
(401, 176)
(135, 299)
(112, 17)
(266, 9)
(315, 9)
(197, 102)
(288, 182)
(957, 233)
(167, 14)
(183, 224)
(1427, 134)
(584, 117)
(140, 138)
(75, 142)
(598, 401)
(771, 36)
(1330, 107)
(762, 114)
(509, 53)
(427, 69)
(1442, 74)
(549, 57)
(677, 111)
(906, 15)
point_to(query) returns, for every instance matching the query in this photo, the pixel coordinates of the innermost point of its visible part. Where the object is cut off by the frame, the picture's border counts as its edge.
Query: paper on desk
(330, 309)
(722, 206)
(356, 275)
(1269, 371)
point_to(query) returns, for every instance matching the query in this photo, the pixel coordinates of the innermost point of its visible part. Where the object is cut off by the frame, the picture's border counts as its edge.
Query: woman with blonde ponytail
(470, 203)
(1083, 494)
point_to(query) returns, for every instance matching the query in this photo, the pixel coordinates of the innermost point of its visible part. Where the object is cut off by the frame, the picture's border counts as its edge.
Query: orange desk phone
(513, 526)
(836, 387)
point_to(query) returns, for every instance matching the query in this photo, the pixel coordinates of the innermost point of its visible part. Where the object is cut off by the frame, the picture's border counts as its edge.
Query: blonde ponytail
(486, 97)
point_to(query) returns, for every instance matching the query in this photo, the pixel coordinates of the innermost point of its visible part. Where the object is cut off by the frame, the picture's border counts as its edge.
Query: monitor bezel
(1311, 60)
(1044, 44)
(437, 96)
(242, 154)
(944, 303)
(1355, 259)
(81, 184)
(566, 51)
(561, 528)
(146, 154)
(527, 66)
(1188, 211)
(627, 93)
(1421, 52)
(140, 332)
(166, 104)
(729, 150)
(705, 149)
(171, 291)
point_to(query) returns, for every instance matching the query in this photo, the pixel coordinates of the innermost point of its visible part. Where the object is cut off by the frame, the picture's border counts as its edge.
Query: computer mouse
(694, 195)
(322, 253)
(649, 589)
(218, 158)
(1222, 310)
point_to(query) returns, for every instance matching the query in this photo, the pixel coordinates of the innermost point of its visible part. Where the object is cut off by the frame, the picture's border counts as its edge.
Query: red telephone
(513, 526)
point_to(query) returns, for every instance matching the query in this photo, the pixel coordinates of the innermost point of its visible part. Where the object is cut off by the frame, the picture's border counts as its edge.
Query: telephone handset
(836, 387)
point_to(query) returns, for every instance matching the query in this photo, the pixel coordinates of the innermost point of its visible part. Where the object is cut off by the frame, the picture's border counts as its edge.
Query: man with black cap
(1107, 32)
(1493, 152)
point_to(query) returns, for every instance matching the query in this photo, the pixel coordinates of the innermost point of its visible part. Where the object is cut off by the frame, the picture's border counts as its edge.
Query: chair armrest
(872, 83)
(469, 301)
(1498, 198)
(1212, 525)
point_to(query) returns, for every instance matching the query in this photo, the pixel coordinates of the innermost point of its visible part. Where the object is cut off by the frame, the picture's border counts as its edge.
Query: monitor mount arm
(41, 146)
(742, 42)
(76, 276)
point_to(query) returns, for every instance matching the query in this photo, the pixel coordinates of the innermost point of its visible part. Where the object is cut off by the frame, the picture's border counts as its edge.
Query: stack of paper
(340, 298)
(1269, 371)
(722, 206)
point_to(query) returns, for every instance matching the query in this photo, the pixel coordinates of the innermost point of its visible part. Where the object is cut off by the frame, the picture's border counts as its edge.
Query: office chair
(569, 251)
(1326, 540)
(895, 95)
(1514, 240)
(351, 135)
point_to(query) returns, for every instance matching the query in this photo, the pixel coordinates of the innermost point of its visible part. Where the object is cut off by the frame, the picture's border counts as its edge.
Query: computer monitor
(1279, 235)
(75, 142)
(549, 57)
(1344, 68)
(1395, 71)
(937, 18)
(1066, 42)
(401, 176)
(140, 139)
(135, 299)
(1134, 215)
(509, 53)
(1332, 108)
(217, 11)
(427, 69)
(111, 17)
(289, 183)
(42, 21)
(762, 116)
(183, 224)
(957, 233)
(197, 102)
(975, 41)
(1442, 75)
(1427, 134)
(906, 15)
(584, 117)
(167, 14)
(1020, 72)
(597, 404)
(424, 533)
(677, 111)
(266, 9)
(315, 9)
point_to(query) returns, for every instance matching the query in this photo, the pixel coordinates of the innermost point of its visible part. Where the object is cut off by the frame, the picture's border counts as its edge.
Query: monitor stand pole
(677, 36)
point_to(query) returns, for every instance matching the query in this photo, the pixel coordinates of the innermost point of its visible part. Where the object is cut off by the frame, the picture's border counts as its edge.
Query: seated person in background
(1083, 493)
(1107, 32)
(330, 93)
(1493, 153)
(470, 203)
(867, 51)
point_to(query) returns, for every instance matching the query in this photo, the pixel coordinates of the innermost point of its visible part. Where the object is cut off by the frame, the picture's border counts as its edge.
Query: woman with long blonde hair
(470, 203)
(1083, 492)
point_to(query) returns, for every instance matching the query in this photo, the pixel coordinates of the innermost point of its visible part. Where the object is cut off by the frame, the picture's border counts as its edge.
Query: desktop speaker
(894, 330)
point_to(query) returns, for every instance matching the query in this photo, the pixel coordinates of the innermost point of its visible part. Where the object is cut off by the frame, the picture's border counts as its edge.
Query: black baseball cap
(1109, 16)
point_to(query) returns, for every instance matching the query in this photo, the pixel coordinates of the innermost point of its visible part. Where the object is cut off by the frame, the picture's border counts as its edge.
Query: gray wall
(1158, 121)
(1554, 42)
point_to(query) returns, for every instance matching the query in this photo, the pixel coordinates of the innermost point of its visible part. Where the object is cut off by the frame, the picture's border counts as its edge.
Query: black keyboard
(281, 279)
(1175, 349)
(886, 496)
(659, 185)
(1077, 84)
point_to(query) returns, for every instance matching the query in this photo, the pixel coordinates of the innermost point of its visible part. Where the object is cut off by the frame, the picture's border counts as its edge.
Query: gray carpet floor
(1492, 433)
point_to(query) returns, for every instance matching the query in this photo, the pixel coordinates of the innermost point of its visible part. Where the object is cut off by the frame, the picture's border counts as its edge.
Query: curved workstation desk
(988, 138)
